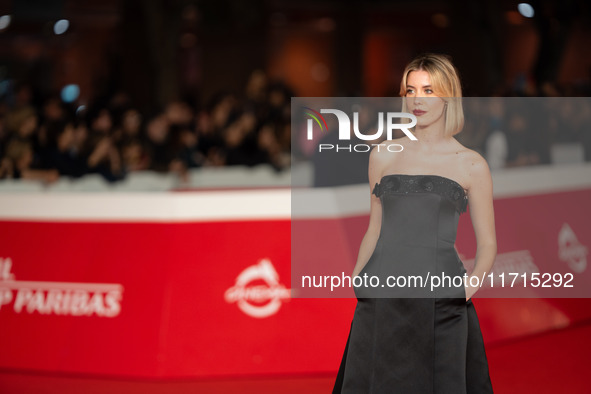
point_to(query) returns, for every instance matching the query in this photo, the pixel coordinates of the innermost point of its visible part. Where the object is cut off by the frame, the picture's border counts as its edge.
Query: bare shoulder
(475, 163)
(387, 149)
(383, 156)
(475, 167)
(400, 141)
(378, 160)
(384, 151)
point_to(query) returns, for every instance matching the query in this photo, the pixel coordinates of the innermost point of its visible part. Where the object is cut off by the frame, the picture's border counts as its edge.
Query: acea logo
(57, 298)
(570, 250)
(384, 121)
(257, 291)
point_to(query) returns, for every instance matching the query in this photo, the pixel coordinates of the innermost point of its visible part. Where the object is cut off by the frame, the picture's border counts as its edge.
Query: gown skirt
(414, 339)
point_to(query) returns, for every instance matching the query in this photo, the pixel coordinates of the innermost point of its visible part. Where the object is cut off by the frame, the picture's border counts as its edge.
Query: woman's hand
(470, 290)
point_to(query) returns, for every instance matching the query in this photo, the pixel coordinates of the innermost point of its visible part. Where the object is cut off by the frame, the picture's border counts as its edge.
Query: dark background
(172, 85)
(157, 51)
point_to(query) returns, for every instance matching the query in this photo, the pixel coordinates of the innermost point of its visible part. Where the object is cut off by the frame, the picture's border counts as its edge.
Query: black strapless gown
(420, 345)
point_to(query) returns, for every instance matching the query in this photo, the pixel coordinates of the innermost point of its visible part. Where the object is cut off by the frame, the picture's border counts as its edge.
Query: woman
(430, 344)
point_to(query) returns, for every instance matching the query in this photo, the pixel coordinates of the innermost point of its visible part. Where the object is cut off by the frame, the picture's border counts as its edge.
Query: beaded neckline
(420, 183)
(430, 175)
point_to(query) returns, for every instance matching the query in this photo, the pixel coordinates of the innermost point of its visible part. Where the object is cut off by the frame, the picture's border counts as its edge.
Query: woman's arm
(372, 234)
(480, 198)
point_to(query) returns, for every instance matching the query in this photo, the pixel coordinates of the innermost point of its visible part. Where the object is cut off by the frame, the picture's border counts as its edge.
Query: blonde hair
(446, 84)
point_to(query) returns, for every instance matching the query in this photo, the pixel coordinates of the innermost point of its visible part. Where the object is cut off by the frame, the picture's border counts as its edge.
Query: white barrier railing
(507, 182)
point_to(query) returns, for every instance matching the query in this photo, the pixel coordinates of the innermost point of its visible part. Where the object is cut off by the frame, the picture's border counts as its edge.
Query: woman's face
(422, 100)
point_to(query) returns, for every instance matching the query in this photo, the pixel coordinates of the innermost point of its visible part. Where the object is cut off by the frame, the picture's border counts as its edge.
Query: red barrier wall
(181, 296)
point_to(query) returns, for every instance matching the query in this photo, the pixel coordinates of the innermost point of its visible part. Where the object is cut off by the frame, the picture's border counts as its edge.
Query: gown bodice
(420, 215)
(404, 184)
(420, 210)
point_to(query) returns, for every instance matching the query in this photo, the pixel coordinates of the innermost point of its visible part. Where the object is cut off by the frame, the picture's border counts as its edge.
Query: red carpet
(551, 362)
(548, 363)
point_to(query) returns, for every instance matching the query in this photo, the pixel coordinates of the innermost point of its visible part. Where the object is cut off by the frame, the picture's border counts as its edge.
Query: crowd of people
(114, 138)
(517, 131)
